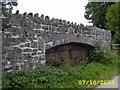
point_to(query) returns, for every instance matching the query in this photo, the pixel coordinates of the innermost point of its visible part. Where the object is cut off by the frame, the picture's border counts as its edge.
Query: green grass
(0, 83)
(62, 77)
(67, 76)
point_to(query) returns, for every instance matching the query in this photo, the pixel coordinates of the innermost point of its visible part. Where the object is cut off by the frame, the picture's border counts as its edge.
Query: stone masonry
(25, 37)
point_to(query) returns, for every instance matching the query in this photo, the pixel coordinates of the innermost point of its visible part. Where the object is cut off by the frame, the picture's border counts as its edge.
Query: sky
(70, 10)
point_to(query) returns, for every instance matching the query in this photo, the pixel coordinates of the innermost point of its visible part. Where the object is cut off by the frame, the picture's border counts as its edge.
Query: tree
(96, 13)
(8, 5)
(113, 18)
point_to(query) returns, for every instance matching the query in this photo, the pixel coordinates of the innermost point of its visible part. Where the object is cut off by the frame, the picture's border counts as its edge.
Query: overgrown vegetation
(101, 55)
(51, 77)
(66, 76)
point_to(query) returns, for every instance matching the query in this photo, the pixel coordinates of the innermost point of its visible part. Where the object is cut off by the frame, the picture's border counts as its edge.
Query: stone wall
(25, 37)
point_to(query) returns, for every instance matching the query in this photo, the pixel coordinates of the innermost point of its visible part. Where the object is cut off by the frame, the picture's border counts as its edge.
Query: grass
(67, 76)
(0, 83)
(63, 77)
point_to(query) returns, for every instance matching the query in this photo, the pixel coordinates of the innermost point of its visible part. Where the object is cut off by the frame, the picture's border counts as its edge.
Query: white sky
(70, 10)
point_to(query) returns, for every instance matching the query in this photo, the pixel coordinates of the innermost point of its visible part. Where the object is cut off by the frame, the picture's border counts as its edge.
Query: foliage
(113, 16)
(62, 77)
(8, 5)
(96, 13)
(66, 62)
(102, 55)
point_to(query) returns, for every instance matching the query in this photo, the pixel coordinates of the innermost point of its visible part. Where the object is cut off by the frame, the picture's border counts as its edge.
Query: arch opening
(74, 52)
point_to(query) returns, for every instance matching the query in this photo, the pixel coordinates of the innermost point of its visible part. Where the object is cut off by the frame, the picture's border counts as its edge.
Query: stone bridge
(26, 37)
(102, 37)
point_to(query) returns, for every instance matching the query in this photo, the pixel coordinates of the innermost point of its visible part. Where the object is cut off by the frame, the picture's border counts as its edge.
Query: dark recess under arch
(75, 52)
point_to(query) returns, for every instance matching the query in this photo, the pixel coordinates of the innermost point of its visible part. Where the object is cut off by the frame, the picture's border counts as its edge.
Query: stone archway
(74, 51)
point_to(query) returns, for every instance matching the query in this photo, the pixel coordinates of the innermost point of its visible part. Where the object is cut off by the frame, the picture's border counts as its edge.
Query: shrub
(100, 54)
